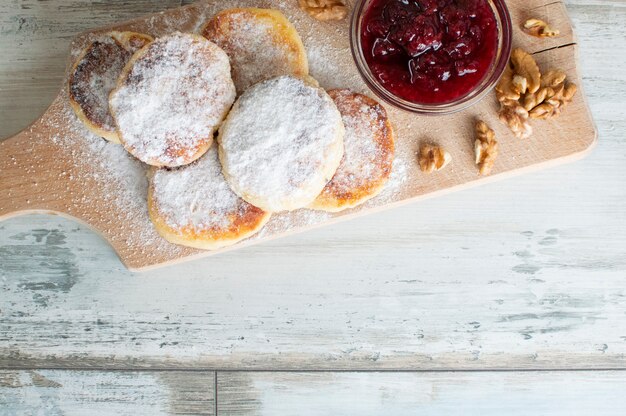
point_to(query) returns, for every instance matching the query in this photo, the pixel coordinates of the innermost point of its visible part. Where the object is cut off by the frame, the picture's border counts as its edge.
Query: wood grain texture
(536, 302)
(423, 394)
(50, 166)
(98, 393)
(527, 273)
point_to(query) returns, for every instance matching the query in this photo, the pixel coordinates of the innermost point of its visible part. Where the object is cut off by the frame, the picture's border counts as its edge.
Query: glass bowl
(503, 20)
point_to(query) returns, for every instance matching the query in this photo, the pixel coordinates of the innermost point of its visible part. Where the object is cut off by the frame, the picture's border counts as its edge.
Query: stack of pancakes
(283, 142)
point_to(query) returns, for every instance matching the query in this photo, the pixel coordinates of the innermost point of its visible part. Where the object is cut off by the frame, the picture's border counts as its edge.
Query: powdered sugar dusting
(94, 78)
(107, 188)
(360, 161)
(256, 47)
(120, 181)
(285, 222)
(394, 186)
(197, 196)
(173, 99)
(123, 176)
(116, 165)
(368, 143)
(326, 61)
(280, 141)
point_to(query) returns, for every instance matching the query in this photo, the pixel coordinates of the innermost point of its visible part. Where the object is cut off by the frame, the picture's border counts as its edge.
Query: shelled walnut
(524, 65)
(432, 158)
(539, 28)
(523, 93)
(325, 9)
(485, 147)
(550, 101)
(516, 117)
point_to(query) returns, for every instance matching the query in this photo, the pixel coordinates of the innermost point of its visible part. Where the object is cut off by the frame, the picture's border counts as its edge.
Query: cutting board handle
(32, 171)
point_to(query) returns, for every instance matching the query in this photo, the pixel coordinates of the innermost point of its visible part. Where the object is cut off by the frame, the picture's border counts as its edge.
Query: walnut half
(432, 158)
(485, 147)
(520, 76)
(525, 66)
(539, 28)
(325, 9)
(516, 117)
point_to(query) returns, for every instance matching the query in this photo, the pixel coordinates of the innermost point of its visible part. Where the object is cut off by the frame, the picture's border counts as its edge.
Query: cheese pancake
(95, 74)
(194, 206)
(261, 44)
(368, 154)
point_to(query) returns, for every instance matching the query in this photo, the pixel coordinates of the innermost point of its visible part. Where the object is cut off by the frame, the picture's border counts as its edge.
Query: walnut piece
(432, 158)
(505, 89)
(555, 99)
(485, 147)
(516, 117)
(520, 76)
(533, 100)
(542, 111)
(520, 84)
(552, 78)
(539, 28)
(524, 65)
(325, 9)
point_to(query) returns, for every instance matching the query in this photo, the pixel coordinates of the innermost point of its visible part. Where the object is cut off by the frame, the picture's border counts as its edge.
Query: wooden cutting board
(56, 166)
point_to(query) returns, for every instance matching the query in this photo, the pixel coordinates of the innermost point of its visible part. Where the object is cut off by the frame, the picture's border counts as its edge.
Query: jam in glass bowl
(431, 56)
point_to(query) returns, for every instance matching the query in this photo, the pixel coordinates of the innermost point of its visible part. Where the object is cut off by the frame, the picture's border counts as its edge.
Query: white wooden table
(508, 299)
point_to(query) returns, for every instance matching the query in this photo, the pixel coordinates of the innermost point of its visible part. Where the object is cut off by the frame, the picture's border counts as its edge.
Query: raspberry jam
(429, 51)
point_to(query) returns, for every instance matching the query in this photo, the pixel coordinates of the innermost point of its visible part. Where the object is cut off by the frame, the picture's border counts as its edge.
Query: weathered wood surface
(423, 394)
(530, 273)
(97, 393)
(54, 166)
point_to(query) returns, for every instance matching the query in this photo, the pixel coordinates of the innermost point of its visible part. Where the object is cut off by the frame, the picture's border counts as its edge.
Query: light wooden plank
(95, 393)
(528, 273)
(423, 394)
(450, 295)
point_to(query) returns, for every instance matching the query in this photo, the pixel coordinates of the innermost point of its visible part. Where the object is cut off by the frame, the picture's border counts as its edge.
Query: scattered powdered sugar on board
(326, 61)
(197, 196)
(174, 97)
(128, 174)
(281, 143)
(284, 222)
(123, 176)
(393, 187)
(120, 180)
